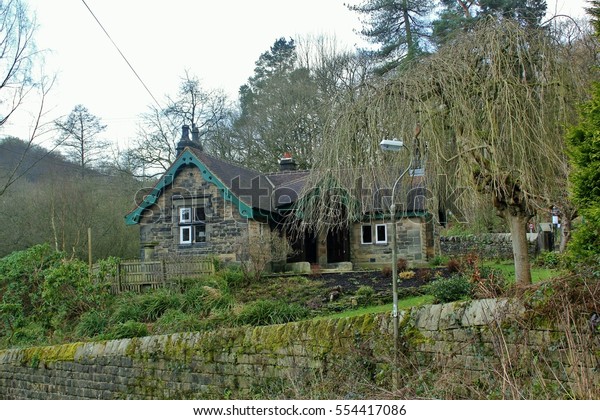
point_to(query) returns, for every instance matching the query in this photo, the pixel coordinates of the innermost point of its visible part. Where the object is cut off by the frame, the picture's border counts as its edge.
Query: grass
(507, 268)
(402, 304)
(537, 273)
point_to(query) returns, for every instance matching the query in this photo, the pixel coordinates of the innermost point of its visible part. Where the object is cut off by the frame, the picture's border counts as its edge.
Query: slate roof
(269, 191)
(287, 186)
(250, 186)
(265, 193)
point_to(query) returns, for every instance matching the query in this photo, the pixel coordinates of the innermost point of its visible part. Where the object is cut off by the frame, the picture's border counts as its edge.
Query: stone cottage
(202, 205)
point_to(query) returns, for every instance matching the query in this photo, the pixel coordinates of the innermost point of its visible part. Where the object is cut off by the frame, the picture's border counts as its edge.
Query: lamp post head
(392, 145)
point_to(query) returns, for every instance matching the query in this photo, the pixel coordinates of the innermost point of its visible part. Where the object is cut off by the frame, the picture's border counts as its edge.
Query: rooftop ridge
(299, 171)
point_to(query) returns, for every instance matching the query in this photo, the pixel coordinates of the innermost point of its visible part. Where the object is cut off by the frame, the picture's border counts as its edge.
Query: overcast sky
(217, 41)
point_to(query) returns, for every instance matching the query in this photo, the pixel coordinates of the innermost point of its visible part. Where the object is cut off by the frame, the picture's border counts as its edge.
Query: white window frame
(362, 234)
(189, 229)
(183, 211)
(377, 239)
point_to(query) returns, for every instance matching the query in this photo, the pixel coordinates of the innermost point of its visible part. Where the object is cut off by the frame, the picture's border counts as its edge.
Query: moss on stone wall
(468, 341)
(34, 356)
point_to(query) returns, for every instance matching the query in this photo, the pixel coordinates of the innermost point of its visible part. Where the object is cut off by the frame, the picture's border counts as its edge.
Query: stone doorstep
(336, 267)
(305, 268)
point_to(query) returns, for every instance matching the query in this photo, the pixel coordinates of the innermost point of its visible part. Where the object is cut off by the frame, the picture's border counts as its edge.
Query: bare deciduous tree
(160, 128)
(18, 54)
(79, 138)
(256, 255)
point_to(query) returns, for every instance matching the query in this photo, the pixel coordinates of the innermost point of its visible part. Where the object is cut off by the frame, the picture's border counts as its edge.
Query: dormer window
(192, 225)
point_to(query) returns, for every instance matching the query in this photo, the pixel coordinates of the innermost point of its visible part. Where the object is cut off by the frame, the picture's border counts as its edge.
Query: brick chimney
(287, 163)
(196, 135)
(185, 139)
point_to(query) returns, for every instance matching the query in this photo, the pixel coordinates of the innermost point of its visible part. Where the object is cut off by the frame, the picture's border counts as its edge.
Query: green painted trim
(187, 158)
(383, 215)
(366, 217)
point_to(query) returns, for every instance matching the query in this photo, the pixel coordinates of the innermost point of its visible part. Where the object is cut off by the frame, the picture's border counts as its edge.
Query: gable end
(187, 158)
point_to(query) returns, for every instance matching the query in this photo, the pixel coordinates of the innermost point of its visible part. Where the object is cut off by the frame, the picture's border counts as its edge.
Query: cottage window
(185, 234)
(367, 234)
(381, 232)
(200, 233)
(192, 227)
(199, 215)
(185, 215)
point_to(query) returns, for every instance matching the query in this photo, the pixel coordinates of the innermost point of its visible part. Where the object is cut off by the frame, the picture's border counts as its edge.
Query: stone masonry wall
(410, 239)
(488, 246)
(159, 227)
(466, 339)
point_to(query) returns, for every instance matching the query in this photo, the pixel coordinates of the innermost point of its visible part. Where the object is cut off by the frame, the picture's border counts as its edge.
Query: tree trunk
(566, 227)
(565, 235)
(518, 233)
(408, 30)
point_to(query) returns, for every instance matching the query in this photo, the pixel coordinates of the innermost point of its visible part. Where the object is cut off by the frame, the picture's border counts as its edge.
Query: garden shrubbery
(266, 312)
(468, 279)
(51, 292)
(450, 289)
(365, 295)
(46, 297)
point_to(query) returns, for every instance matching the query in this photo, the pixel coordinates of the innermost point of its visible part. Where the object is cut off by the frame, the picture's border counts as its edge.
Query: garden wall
(471, 342)
(487, 246)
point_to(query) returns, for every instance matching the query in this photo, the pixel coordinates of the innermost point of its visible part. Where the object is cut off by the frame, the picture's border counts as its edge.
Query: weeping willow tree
(490, 109)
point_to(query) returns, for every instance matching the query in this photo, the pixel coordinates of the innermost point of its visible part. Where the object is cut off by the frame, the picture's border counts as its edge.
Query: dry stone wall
(488, 246)
(469, 340)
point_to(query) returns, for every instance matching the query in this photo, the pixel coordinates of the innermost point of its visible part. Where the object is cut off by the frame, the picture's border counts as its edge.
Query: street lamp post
(395, 145)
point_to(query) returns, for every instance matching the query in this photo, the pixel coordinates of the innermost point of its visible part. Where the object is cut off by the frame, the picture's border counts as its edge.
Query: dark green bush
(175, 320)
(233, 277)
(10, 314)
(127, 307)
(267, 312)
(548, 259)
(449, 290)
(106, 269)
(365, 295)
(156, 303)
(127, 329)
(206, 297)
(68, 292)
(92, 323)
(29, 333)
(584, 151)
(22, 276)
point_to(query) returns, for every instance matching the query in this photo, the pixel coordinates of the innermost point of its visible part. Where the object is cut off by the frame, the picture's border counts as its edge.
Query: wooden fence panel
(177, 270)
(138, 276)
